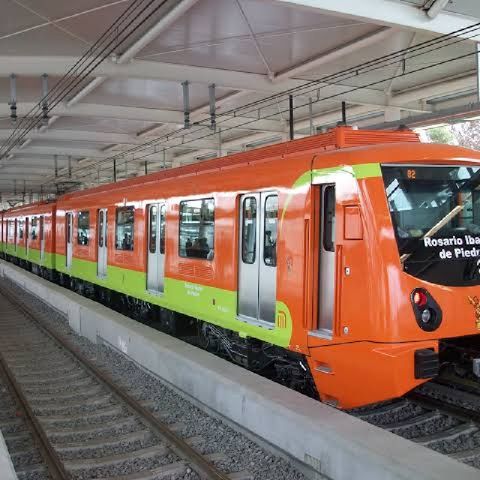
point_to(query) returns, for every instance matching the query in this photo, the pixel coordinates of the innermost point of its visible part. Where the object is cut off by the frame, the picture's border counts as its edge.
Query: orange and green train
(345, 265)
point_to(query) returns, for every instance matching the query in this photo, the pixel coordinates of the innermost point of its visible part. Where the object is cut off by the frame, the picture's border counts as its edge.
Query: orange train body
(374, 342)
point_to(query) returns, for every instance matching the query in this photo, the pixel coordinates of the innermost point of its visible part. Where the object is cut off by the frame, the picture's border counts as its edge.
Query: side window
(270, 231)
(42, 228)
(83, 228)
(329, 218)
(249, 230)
(163, 226)
(101, 221)
(68, 219)
(124, 228)
(152, 229)
(196, 236)
(21, 227)
(33, 228)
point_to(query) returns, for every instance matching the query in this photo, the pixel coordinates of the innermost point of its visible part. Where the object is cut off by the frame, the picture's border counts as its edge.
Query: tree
(467, 134)
(441, 135)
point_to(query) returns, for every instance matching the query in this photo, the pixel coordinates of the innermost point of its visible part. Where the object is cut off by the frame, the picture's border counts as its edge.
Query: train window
(42, 229)
(163, 210)
(152, 239)
(270, 231)
(33, 229)
(83, 228)
(329, 218)
(249, 230)
(196, 238)
(101, 221)
(21, 228)
(69, 227)
(124, 228)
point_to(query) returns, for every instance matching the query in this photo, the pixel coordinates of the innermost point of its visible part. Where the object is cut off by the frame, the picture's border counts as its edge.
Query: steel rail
(462, 413)
(54, 465)
(204, 468)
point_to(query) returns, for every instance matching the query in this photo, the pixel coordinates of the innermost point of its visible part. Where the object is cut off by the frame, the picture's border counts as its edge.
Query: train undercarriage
(278, 364)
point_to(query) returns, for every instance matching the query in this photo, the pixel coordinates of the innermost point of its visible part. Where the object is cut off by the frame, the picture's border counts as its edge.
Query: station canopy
(146, 100)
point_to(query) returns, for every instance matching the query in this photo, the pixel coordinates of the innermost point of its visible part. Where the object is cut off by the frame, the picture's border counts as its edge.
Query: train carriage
(343, 265)
(29, 237)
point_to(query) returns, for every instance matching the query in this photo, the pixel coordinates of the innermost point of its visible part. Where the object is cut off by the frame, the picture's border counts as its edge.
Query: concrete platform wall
(337, 445)
(7, 472)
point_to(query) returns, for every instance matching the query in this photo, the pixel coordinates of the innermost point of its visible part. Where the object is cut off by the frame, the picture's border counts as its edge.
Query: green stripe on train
(32, 256)
(211, 304)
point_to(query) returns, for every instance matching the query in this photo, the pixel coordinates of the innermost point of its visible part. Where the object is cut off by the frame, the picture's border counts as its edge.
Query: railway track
(441, 415)
(78, 420)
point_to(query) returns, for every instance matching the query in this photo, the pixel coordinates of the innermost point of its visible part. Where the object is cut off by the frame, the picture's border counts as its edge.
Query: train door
(257, 263)
(327, 260)
(69, 240)
(156, 248)
(102, 243)
(42, 238)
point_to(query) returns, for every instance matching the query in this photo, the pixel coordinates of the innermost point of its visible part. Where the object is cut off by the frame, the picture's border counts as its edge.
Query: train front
(435, 216)
(408, 287)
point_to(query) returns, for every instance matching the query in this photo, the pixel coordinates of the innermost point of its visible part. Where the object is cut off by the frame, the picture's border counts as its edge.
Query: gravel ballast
(234, 452)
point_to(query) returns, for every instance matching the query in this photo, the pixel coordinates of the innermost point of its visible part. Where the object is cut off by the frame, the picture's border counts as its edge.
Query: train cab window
(83, 228)
(124, 228)
(196, 235)
(329, 218)
(33, 228)
(163, 211)
(152, 237)
(249, 230)
(270, 231)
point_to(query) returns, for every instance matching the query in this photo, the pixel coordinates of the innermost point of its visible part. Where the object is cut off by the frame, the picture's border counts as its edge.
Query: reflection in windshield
(436, 216)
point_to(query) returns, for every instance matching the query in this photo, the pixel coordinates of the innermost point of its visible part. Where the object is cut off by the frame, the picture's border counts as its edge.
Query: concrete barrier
(7, 472)
(334, 443)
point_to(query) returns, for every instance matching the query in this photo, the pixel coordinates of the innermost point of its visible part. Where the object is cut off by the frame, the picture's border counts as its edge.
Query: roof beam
(152, 115)
(78, 135)
(386, 12)
(334, 54)
(165, 22)
(145, 69)
(234, 80)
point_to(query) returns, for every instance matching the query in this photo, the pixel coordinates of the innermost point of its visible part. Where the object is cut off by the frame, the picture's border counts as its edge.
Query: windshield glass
(436, 217)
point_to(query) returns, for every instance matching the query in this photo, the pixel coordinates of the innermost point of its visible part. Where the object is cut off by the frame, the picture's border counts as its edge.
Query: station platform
(331, 443)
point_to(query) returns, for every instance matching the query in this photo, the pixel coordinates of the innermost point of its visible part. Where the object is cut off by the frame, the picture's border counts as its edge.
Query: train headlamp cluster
(427, 311)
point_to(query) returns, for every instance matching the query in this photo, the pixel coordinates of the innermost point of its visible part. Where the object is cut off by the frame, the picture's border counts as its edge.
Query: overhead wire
(357, 71)
(146, 155)
(30, 121)
(70, 73)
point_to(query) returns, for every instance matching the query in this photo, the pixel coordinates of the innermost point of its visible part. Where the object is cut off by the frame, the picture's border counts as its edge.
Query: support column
(392, 114)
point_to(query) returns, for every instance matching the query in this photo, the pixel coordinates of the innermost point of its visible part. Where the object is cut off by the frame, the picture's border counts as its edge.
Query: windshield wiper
(452, 214)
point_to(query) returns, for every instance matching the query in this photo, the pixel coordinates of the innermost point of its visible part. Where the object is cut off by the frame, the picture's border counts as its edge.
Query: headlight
(427, 311)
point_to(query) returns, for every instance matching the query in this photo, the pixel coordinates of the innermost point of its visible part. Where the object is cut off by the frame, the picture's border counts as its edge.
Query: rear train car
(29, 237)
